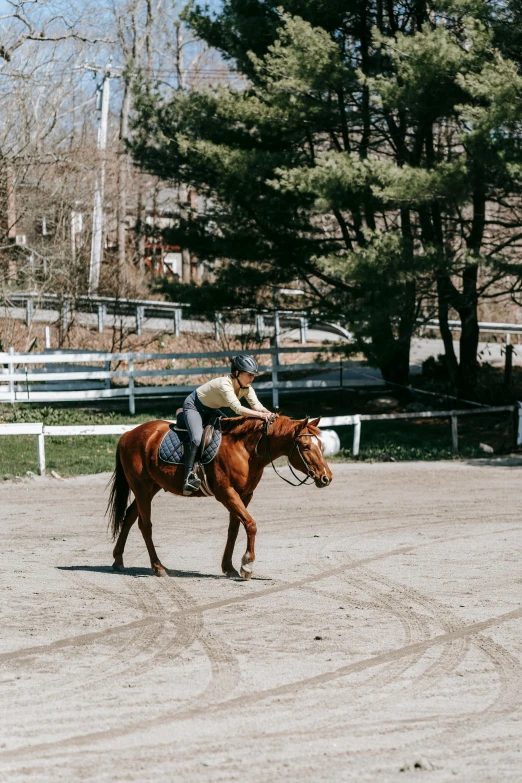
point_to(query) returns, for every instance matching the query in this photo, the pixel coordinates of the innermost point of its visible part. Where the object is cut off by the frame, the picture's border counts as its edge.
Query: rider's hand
(265, 415)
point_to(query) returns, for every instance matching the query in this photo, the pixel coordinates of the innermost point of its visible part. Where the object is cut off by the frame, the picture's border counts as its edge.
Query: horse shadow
(140, 573)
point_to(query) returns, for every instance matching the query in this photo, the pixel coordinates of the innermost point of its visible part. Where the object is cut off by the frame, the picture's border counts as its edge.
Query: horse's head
(307, 452)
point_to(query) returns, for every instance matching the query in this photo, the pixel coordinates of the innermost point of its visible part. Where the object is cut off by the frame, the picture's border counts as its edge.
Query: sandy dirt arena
(380, 640)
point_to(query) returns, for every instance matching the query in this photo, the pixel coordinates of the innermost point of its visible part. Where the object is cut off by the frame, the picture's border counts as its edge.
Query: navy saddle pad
(171, 447)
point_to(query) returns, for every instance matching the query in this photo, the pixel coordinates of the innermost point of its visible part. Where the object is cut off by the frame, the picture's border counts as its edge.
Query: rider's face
(246, 378)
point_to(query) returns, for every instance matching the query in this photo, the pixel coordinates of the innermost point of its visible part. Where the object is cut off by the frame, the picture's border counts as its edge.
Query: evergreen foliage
(372, 152)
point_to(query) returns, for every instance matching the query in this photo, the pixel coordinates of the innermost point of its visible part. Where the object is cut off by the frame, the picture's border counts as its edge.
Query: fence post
(454, 434)
(508, 367)
(132, 404)
(303, 328)
(277, 332)
(65, 314)
(140, 315)
(218, 325)
(260, 327)
(40, 444)
(177, 322)
(275, 389)
(275, 361)
(29, 311)
(10, 370)
(102, 312)
(519, 427)
(47, 337)
(356, 436)
(107, 368)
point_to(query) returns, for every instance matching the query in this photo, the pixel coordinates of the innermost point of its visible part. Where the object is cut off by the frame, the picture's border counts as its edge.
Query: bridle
(309, 473)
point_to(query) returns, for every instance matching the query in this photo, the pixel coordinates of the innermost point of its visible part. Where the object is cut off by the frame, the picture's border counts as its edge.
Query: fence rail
(18, 379)
(490, 327)
(43, 430)
(140, 310)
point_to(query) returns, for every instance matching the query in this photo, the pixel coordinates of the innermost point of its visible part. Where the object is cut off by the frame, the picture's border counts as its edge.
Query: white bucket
(331, 443)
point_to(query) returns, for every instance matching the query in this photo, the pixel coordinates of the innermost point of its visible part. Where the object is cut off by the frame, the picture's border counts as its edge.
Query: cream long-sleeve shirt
(220, 391)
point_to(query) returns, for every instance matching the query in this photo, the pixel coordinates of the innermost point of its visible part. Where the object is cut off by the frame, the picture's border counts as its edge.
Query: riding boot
(192, 482)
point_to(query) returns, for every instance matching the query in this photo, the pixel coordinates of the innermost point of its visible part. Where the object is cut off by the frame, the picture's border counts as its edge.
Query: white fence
(357, 419)
(42, 430)
(20, 375)
(489, 327)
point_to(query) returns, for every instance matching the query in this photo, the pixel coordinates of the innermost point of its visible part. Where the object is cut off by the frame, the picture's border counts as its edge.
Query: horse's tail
(119, 497)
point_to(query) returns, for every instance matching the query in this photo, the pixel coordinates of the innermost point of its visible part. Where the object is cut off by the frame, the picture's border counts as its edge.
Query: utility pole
(102, 105)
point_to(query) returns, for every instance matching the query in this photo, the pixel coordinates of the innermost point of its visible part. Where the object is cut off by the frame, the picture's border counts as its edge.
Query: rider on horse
(200, 406)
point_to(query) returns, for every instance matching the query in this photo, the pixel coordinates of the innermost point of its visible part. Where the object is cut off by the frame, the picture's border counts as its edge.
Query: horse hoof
(246, 574)
(159, 572)
(118, 567)
(232, 574)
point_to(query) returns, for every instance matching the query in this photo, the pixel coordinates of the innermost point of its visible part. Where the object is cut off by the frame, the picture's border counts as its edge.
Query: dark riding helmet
(244, 363)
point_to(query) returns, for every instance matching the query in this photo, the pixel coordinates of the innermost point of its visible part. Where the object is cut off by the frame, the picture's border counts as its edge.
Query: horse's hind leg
(130, 518)
(144, 500)
(233, 528)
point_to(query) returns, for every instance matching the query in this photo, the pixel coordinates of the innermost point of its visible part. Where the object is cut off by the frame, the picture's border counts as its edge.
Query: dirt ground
(380, 640)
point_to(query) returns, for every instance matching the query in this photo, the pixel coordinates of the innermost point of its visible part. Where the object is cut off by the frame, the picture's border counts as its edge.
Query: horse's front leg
(234, 503)
(233, 528)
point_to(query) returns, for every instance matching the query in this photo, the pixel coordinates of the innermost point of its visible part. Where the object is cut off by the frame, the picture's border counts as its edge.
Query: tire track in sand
(290, 689)
(88, 638)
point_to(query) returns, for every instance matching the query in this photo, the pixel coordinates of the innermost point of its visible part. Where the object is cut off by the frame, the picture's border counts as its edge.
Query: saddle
(214, 425)
(172, 446)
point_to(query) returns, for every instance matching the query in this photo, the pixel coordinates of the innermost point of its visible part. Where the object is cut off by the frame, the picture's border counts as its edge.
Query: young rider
(201, 405)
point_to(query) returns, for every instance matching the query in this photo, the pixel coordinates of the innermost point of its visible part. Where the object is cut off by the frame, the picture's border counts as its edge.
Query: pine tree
(373, 154)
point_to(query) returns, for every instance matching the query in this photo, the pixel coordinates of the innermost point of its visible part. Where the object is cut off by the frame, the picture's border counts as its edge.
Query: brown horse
(246, 449)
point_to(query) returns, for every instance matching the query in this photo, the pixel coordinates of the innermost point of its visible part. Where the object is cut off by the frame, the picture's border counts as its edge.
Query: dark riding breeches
(197, 416)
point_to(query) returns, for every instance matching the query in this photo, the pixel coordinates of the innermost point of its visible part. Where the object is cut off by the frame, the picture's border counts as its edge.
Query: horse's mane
(241, 427)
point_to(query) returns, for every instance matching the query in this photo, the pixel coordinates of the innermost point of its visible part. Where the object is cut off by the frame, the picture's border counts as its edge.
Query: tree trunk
(395, 366)
(390, 353)
(468, 304)
(444, 290)
(469, 339)
(140, 228)
(7, 201)
(463, 372)
(122, 172)
(469, 336)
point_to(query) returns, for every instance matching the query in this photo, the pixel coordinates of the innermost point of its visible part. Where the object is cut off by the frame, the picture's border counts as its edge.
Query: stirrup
(192, 483)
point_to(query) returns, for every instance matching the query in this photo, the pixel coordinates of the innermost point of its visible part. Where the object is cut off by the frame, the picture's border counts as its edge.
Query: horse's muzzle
(322, 481)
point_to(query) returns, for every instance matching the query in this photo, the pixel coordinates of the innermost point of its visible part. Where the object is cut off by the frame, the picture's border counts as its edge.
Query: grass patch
(17, 455)
(84, 454)
(68, 456)
(428, 439)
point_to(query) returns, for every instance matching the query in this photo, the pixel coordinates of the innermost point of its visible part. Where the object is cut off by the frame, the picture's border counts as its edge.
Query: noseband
(309, 473)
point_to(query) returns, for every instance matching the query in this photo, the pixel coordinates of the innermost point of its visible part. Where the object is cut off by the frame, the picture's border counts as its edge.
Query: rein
(309, 473)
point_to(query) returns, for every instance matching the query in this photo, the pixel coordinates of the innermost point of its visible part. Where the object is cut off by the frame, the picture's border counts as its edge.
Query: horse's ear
(302, 424)
(315, 422)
